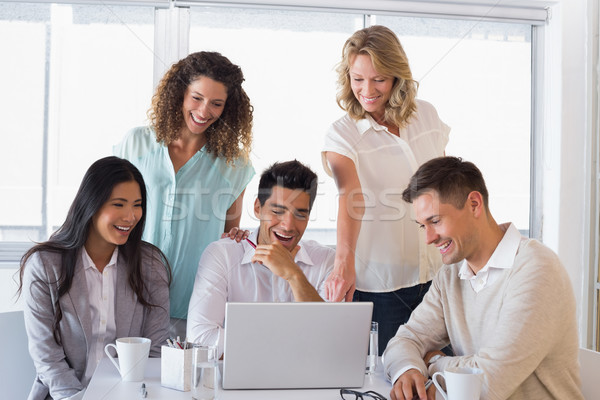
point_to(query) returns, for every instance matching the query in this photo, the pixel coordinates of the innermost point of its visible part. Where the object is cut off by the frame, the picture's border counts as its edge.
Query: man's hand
(340, 284)
(278, 259)
(236, 234)
(410, 386)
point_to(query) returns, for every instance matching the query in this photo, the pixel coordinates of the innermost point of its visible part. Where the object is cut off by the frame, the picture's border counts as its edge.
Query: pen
(254, 246)
(428, 383)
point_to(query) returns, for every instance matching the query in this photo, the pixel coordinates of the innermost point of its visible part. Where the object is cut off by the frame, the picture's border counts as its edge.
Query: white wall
(568, 144)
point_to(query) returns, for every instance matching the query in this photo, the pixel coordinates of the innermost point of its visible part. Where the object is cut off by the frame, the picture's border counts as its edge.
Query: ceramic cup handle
(112, 359)
(437, 385)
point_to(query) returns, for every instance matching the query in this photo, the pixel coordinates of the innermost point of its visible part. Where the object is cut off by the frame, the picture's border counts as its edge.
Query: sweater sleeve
(530, 326)
(425, 331)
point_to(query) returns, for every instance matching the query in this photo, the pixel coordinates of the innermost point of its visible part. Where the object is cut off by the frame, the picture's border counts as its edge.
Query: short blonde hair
(389, 58)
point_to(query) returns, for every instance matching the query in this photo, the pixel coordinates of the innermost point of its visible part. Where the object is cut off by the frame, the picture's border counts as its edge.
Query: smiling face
(203, 103)
(114, 221)
(370, 88)
(448, 228)
(283, 217)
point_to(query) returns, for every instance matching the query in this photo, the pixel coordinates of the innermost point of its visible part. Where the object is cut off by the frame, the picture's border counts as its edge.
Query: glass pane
(478, 76)
(22, 80)
(82, 76)
(288, 59)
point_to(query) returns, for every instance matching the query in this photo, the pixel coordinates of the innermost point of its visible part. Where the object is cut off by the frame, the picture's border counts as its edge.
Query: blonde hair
(389, 58)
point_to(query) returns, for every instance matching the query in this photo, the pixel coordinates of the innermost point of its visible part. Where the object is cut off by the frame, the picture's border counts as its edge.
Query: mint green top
(186, 210)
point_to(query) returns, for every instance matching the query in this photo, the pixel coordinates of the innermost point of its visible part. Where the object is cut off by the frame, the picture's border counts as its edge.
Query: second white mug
(462, 383)
(133, 353)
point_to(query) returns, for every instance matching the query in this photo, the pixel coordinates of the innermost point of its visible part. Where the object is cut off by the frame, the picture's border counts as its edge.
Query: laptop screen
(295, 345)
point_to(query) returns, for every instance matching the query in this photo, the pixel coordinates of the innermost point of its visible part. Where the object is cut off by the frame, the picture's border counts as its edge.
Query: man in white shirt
(504, 302)
(280, 269)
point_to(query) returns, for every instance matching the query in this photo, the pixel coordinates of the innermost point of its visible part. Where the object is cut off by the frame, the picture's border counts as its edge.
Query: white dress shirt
(502, 258)
(391, 251)
(226, 274)
(101, 289)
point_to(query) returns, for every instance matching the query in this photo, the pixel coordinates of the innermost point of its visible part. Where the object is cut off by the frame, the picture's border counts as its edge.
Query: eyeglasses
(348, 394)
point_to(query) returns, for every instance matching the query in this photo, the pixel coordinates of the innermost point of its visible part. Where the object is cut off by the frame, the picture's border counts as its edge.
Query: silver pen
(428, 383)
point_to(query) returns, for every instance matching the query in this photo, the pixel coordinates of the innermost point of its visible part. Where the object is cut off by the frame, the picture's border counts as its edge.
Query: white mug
(462, 383)
(133, 353)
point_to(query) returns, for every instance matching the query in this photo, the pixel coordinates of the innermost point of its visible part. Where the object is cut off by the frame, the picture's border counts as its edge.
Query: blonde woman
(372, 152)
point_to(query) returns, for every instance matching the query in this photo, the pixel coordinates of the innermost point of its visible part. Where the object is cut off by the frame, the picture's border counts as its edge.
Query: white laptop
(296, 345)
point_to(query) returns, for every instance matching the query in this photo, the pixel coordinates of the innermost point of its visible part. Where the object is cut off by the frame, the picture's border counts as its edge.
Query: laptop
(295, 345)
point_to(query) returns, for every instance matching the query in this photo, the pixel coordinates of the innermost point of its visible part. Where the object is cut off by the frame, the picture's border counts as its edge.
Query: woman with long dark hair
(93, 281)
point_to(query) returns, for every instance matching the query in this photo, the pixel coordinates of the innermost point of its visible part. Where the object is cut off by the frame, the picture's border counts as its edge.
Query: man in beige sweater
(504, 302)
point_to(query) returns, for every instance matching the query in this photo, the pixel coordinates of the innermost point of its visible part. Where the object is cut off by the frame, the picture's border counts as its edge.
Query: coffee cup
(132, 354)
(462, 383)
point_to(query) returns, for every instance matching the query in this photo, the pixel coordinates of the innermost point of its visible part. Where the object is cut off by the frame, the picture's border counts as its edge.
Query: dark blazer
(60, 369)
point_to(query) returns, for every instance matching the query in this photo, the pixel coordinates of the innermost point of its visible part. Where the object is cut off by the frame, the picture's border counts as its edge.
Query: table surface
(106, 384)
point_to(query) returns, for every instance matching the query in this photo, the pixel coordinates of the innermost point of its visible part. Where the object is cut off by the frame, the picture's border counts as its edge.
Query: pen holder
(176, 368)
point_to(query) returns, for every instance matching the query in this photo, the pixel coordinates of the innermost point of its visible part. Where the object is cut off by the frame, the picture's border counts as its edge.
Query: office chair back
(16, 367)
(590, 380)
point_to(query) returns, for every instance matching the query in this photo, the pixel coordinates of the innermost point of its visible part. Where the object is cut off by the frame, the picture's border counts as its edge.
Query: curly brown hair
(231, 135)
(389, 58)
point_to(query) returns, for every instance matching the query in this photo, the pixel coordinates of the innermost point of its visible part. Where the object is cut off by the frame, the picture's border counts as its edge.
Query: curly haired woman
(194, 158)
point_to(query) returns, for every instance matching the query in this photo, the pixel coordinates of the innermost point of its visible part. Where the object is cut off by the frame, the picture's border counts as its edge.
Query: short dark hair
(451, 177)
(289, 175)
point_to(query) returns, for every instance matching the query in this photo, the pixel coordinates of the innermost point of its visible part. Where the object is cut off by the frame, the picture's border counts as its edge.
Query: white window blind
(535, 12)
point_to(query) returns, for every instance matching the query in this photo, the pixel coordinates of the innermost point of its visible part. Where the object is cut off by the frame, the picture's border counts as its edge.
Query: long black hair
(95, 189)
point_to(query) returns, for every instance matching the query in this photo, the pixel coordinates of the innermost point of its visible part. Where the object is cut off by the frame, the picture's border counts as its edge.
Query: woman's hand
(340, 284)
(236, 234)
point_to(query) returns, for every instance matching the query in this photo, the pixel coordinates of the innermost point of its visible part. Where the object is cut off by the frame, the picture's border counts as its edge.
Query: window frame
(171, 40)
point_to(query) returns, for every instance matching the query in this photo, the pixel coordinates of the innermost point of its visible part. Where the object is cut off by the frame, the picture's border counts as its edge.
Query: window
(288, 59)
(477, 75)
(79, 77)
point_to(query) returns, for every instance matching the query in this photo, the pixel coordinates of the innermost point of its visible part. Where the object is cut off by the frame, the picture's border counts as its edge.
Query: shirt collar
(503, 256)
(88, 263)
(367, 123)
(302, 255)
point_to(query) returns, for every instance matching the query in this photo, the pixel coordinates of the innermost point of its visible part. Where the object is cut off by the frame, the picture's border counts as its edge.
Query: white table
(106, 384)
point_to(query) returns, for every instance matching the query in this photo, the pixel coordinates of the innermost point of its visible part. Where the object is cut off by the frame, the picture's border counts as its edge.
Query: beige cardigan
(520, 330)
